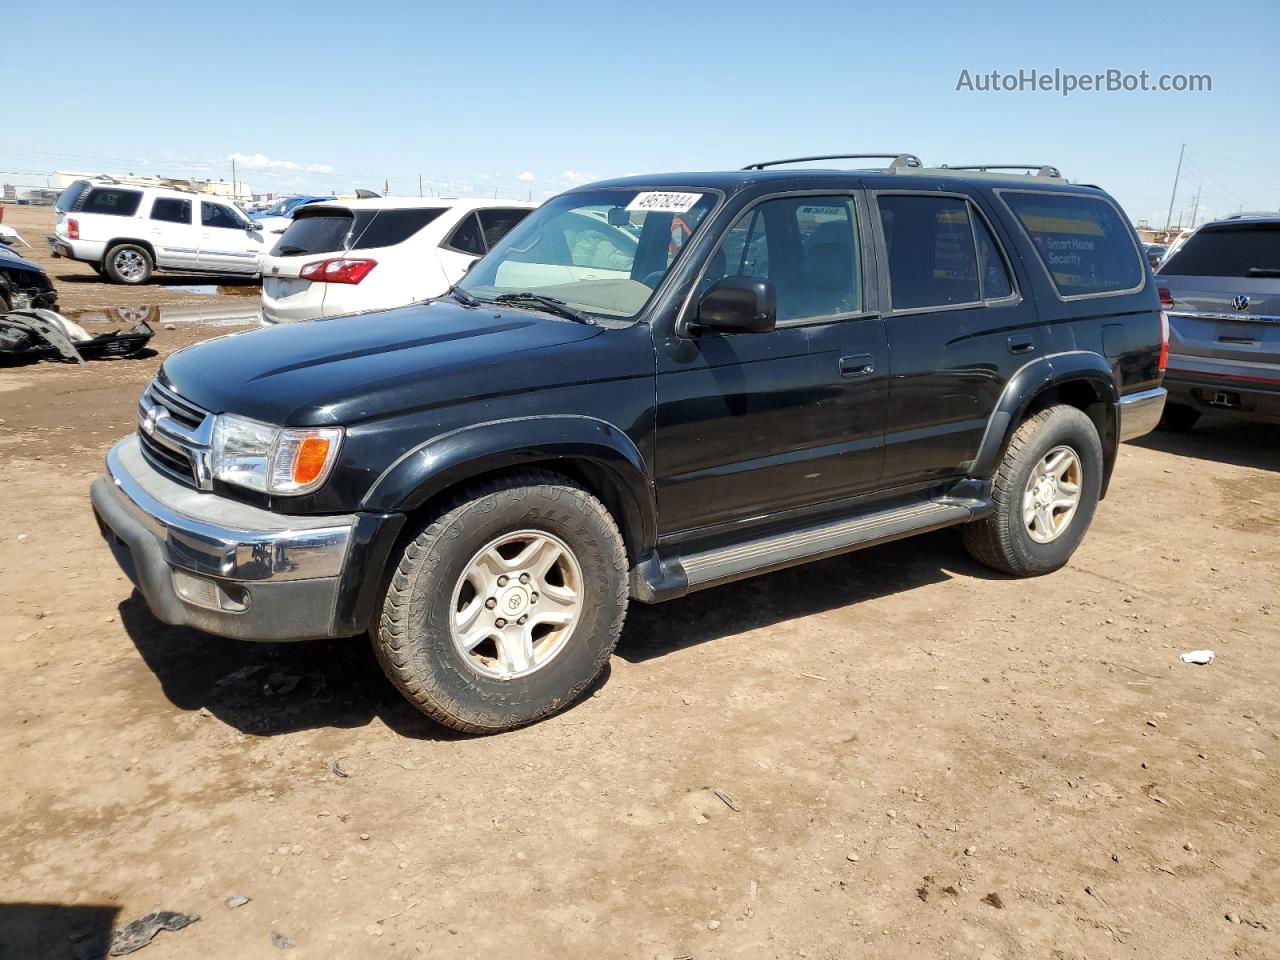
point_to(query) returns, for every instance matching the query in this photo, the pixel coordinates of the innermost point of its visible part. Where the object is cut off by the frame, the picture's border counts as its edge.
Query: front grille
(175, 436)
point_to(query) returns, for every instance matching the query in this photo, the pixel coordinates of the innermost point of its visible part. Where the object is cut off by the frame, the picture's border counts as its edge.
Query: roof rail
(899, 159)
(1041, 169)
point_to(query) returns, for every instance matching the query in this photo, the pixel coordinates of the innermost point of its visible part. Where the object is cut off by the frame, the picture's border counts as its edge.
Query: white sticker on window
(656, 201)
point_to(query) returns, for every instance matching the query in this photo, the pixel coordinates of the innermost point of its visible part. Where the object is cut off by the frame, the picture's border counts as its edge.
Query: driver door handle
(857, 365)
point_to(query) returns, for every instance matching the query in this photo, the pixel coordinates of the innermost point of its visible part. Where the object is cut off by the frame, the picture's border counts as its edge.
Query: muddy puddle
(234, 312)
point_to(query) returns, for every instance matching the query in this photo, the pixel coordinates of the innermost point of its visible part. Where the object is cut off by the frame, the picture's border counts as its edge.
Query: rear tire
(1178, 417)
(129, 264)
(506, 606)
(1045, 493)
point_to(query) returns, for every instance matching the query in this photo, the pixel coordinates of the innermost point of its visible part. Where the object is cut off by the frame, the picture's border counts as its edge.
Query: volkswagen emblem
(1241, 302)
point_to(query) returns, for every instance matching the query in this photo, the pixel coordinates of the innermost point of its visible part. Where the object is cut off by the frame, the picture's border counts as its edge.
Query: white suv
(128, 232)
(354, 256)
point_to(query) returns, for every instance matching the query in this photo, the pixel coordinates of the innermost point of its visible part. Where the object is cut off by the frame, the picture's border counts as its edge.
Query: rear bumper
(86, 251)
(1245, 389)
(204, 561)
(1140, 412)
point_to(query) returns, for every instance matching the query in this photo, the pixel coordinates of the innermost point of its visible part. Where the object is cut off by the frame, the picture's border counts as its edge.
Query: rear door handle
(858, 365)
(1021, 345)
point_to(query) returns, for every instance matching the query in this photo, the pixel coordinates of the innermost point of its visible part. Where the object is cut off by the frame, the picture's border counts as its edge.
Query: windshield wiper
(1264, 271)
(550, 304)
(289, 249)
(464, 298)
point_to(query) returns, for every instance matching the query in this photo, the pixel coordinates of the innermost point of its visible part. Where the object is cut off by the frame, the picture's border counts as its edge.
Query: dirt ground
(924, 759)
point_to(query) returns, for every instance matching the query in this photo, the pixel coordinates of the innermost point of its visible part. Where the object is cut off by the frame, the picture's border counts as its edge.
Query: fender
(461, 454)
(1033, 379)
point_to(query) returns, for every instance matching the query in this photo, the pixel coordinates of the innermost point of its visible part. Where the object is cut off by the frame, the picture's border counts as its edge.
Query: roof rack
(1041, 169)
(899, 159)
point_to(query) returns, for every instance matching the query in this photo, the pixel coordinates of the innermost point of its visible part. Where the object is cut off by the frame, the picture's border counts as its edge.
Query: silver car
(1221, 291)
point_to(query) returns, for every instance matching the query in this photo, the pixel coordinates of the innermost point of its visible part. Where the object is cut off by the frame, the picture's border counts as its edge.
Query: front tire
(128, 263)
(505, 607)
(1045, 492)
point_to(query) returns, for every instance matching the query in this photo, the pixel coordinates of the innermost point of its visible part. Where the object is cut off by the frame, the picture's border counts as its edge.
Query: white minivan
(354, 256)
(128, 232)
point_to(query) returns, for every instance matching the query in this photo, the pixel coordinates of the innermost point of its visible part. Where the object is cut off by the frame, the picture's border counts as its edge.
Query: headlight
(271, 459)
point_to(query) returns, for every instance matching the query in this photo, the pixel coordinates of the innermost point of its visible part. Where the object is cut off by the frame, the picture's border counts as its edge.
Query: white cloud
(577, 176)
(526, 177)
(260, 161)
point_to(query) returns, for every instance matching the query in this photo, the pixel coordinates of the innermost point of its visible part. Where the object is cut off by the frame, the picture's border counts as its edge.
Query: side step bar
(783, 549)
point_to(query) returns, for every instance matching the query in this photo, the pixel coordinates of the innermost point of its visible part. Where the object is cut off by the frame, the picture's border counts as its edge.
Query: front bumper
(230, 569)
(1140, 412)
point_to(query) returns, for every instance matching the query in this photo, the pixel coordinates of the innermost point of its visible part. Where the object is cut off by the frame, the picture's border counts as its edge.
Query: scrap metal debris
(46, 334)
(728, 801)
(142, 931)
(1201, 657)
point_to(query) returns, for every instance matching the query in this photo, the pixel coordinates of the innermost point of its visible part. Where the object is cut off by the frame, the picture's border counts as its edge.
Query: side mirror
(738, 305)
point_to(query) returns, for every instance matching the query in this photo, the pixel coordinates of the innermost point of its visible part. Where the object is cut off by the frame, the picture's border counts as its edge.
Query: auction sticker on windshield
(657, 201)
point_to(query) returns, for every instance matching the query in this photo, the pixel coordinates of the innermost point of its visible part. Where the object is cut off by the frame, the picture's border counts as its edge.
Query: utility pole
(419, 184)
(235, 193)
(1169, 219)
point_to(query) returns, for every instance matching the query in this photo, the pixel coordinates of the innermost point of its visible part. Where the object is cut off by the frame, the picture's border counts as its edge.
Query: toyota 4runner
(648, 387)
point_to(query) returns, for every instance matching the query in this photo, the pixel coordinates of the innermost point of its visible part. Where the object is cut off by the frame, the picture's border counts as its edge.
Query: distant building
(218, 188)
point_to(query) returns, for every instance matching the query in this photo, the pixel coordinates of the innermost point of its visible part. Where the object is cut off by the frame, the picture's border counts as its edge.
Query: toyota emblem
(1241, 302)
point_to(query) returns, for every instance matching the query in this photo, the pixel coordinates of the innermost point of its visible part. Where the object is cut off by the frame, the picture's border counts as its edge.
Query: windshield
(282, 208)
(599, 251)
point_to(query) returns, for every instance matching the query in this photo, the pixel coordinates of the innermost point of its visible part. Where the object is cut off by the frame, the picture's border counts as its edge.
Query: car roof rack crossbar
(899, 159)
(1041, 169)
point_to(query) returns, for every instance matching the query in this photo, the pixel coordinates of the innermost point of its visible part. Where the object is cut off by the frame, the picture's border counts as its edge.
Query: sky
(526, 99)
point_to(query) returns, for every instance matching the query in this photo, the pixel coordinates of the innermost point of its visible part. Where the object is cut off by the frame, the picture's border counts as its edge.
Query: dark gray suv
(1221, 290)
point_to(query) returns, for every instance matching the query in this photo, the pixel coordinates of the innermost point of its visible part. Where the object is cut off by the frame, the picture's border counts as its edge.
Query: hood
(9, 258)
(346, 370)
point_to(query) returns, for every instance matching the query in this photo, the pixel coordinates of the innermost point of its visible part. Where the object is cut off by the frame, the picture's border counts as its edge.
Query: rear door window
(389, 227)
(112, 200)
(1083, 242)
(996, 284)
(468, 238)
(933, 260)
(171, 210)
(1237, 251)
(495, 224)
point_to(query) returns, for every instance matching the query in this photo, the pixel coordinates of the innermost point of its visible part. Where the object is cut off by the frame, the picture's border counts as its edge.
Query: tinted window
(1083, 242)
(1240, 250)
(216, 215)
(932, 258)
(467, 238)
(67, 199)
(807, 247)
(496, 223)
(319, 230)
(389, 227)
(171, 209)
(122, 203)
(996, 284)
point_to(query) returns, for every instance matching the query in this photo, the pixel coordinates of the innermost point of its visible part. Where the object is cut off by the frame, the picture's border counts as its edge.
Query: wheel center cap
(1044, 492)
(512, 602)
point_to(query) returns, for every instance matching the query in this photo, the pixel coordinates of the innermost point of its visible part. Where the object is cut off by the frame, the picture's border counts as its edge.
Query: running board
(811, 543)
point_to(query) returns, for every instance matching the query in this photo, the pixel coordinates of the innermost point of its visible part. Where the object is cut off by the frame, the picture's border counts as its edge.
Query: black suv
(649, 386)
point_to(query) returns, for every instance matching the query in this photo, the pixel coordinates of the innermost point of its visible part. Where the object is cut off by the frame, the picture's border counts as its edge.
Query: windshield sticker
(654, 201)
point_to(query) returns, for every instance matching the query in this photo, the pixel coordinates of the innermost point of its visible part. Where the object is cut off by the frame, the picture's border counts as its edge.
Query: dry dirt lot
(927, 759)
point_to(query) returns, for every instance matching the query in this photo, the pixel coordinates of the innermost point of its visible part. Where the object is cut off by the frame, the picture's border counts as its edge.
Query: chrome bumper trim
(1140, 412)
(203, 540)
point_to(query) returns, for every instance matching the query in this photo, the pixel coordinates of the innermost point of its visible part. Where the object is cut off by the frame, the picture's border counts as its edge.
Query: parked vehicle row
(1221, 290)
(646, 387)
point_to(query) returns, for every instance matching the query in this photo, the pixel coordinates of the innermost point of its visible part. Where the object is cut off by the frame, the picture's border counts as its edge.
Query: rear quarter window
(112, 200)
(1083, 242)
(389, 227)
(1240, 250)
